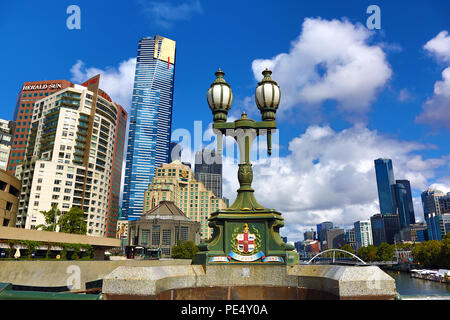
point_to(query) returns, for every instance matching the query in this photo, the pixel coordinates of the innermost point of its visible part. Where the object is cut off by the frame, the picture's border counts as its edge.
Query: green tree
(51, 219)
(385, 252)
(184, 250)
(348, 248)
(367, 253)
(73, 222)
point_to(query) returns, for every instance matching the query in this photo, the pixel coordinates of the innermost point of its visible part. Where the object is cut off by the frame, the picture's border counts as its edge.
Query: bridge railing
(334, 255)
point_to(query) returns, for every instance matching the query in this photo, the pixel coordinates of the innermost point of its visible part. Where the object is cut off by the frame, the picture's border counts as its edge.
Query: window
(184, 234)
(156, 235)
(145, 236)
(166, 237)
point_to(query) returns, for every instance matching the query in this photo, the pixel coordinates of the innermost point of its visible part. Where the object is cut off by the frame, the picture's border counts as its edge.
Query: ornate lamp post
(246, 232)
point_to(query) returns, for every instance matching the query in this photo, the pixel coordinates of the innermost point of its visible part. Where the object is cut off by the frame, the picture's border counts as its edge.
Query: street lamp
(246, 232)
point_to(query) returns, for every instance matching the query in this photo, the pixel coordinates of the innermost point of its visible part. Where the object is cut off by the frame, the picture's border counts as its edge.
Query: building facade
(7, 129)
(408, 200)
(351, 239)
(150, 120)
(335, 238)
(28, 95)
(208, 169)
(436, 209)
(162, 227)
(175, 182)
(321, 230)
(70, 157)
(384, 228)
(385, 180)
(9, 198)
(363, 233)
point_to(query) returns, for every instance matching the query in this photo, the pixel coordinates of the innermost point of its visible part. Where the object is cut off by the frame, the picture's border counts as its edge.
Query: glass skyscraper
(385, 181)
(150, 120)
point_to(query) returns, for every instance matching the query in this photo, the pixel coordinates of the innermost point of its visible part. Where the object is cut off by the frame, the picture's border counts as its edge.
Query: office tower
(28, 95)
(70, 157)
(436, 209)
(309, 235)
(175, 182)
(150, 120)
(385, 179)
(350, 238)
(409, 201)
(208, 169)
(400, 196)
(384, 228)
(335, 238)
(363, 233)
(116, 173)
(321, 231)
(7, 129)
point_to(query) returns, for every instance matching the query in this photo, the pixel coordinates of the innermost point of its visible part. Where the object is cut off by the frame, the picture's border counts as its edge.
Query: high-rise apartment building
(385, 179)
(28, 95)
(335, 238)
(363, 233)
(175, 182)
(7, 129)
(73, 157)
(150, 120)
(208, 169)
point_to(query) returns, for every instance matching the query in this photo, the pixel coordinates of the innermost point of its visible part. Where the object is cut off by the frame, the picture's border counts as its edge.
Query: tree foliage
(184, 250)
(385, 252)
(51, 219)
(433, 254)
(73, 221)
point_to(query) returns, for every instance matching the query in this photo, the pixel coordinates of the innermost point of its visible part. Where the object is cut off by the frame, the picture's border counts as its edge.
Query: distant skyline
(350, 95)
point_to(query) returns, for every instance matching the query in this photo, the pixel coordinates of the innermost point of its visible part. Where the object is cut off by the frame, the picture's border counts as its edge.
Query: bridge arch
(334, 251)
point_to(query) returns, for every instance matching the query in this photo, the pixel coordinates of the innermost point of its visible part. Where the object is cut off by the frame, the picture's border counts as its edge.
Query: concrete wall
(47, 236)
(57, 273)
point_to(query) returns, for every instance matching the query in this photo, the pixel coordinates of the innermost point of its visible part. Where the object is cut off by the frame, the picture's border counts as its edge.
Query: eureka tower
(150, 120)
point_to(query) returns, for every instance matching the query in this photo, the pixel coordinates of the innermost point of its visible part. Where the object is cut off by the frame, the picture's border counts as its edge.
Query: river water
(413, 288)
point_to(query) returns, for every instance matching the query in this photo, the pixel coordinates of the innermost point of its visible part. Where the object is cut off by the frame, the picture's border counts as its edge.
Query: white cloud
(435, 111)
(404, 95)
(330, 60)
(165, 14)
(330, 175)
(116, 82)
(439, 46)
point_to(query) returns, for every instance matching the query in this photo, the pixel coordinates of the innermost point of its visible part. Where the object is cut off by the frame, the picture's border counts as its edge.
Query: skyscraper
(363, 233)
(409, 202)
(436, 210)
(150, 120)
(28, 95)
(70, 157)
(208, 169)
(385, 179)
(400, 196)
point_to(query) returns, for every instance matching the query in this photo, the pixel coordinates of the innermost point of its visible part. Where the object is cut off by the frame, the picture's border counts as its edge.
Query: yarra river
(414, 288)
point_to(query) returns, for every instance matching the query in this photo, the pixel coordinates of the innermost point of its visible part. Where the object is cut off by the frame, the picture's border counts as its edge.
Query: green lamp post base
(246, 237)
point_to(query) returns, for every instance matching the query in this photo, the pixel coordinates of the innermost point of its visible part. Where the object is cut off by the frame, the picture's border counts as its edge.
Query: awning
(4, 246)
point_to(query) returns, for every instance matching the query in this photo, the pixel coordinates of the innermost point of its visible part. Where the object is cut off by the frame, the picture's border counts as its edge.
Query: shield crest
(246, 241)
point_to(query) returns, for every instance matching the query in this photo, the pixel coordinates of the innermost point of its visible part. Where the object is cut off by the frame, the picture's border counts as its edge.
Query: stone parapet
(228, 282)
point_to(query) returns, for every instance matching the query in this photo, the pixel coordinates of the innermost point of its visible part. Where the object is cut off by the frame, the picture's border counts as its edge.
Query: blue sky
(349, 94)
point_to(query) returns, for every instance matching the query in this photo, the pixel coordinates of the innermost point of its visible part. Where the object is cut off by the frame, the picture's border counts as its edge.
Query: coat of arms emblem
(246, 240)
